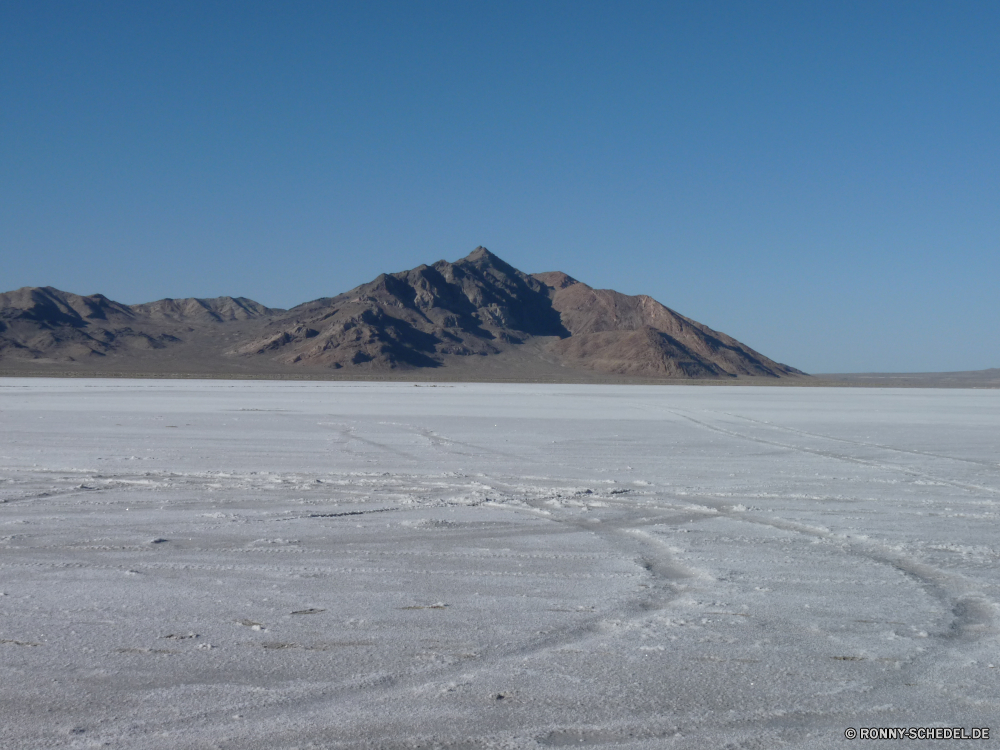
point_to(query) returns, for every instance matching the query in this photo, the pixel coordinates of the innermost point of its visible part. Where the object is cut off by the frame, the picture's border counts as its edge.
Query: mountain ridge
(476, 314)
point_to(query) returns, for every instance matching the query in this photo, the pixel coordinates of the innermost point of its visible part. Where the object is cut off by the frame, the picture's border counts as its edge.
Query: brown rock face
(617, 333)
(477, 317)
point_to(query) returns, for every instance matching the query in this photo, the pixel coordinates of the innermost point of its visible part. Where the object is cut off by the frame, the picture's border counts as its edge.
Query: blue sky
(819, 180)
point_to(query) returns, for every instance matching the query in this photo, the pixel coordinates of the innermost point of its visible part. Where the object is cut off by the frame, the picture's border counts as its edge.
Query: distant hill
(478, 317)
(44, 323)
(614, 332)
(958, 379)
(218, 309)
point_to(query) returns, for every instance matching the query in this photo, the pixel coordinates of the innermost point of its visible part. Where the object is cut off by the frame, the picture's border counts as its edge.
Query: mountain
(476, 306)
(477, 318)
(37, 322)
(44, 323)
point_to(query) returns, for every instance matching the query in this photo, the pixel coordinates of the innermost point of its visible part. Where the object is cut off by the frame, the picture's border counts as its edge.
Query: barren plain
(292, 564)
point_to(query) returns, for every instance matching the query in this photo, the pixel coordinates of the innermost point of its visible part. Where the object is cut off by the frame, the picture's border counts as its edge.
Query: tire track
(971, 609)
(440, 440)
(912, 451)
(974, 488)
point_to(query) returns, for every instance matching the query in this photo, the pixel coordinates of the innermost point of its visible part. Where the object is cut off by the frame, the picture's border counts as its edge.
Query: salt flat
(220, 564)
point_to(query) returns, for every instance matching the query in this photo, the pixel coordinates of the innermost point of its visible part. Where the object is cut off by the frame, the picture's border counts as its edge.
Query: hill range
(477, 318)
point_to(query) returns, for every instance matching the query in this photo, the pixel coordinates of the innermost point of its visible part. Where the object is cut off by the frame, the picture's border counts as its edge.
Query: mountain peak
(483, 258)
(480, 253)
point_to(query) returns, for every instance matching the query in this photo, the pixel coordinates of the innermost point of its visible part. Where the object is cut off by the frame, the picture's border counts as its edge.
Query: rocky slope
(617, 333)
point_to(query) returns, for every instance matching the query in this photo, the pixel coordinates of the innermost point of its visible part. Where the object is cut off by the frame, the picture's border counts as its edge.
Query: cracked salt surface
(360, 565)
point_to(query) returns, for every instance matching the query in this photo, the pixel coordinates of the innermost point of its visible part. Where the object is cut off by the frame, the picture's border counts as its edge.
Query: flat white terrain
(220, 564)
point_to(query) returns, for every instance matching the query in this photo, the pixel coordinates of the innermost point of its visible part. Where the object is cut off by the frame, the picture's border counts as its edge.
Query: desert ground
(295, 564)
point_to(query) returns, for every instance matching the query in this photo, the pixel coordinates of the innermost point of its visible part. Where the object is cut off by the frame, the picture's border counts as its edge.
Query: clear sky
(820, 180)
